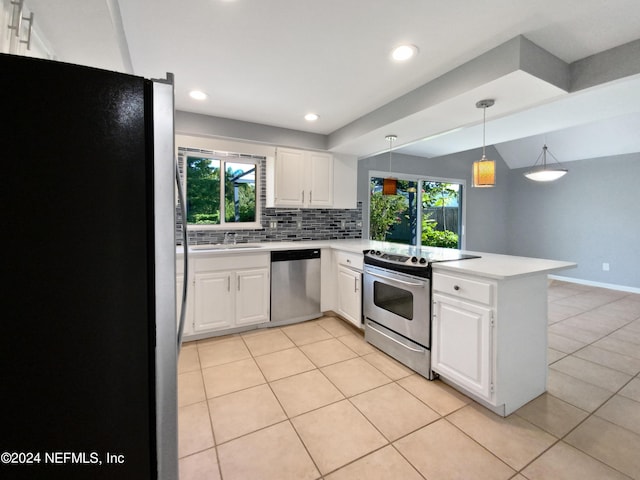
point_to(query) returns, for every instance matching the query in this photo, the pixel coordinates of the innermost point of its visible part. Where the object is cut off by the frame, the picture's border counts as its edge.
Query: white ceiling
(271, 61)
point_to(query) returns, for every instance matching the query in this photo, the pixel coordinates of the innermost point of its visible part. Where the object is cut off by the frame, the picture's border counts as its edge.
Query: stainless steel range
(397, 303)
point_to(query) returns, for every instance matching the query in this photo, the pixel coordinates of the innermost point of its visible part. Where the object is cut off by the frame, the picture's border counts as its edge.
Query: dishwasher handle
(290, 255)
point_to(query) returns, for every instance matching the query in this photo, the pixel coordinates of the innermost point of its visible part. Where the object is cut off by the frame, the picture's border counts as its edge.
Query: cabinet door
(461, 343)
(290, 178)
(213, 298)
(252, 296)
(321, 179)
(350, 295)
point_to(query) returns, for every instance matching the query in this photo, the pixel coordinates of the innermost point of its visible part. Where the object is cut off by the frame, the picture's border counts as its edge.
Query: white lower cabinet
(350, 295)
(489, 337)
(230, 292)
(461, 343)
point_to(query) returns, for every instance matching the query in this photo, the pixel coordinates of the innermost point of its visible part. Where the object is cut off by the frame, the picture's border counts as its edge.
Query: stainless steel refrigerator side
(165, 271)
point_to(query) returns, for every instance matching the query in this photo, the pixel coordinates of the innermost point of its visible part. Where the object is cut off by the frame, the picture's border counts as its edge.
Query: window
(424, 211)
(221, 189)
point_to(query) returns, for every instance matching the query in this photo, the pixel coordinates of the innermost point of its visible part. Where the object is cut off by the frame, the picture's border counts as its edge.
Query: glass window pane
(240, 192)
(393, 299)
(393, 218)
(203, 191)
(441, 214)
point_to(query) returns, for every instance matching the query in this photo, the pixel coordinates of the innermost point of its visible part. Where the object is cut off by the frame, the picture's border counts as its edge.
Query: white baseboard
(610, 286)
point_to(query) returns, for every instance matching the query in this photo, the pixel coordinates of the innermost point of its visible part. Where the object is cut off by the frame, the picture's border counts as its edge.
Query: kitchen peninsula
(488, 314)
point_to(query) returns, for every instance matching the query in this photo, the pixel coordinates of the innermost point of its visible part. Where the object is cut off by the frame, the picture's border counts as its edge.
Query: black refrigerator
(88, 313)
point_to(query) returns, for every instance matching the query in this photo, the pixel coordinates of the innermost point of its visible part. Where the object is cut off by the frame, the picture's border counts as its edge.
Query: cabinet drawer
(218, 261)
(466, 288)
(351, 260)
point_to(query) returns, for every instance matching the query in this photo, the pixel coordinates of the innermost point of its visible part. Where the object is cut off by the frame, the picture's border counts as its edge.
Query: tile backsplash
(280, 224)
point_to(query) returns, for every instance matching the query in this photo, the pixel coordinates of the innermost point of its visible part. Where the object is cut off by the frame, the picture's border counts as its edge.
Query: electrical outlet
(299, 224)
(343, 224)
(273, 224)
(605, 267)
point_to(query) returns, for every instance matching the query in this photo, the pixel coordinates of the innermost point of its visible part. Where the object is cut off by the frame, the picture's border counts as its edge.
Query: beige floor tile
(190, 388)
(576, 333)
(512, 439)
(441, 451)
(563, 462)
(327, 352)
(268, 342)
(231, 377)
(354, 376)
(563, 344)
(223, 351)
(585, 301)
(609, 443)
(436, 394)
(394, 411)
(552, 414)
(387, 365)
(335, 326)
(632, 390)
(627, 305)
(194, 429)
(357, 343)
(622, 411)
(274, 453)
(577, 392)
(619, 346)
(200, 466)
(560, 312)
(305, 392)
(307, 332)
(188, 360)
(244, 412)
(336, 435)
(622, 363)
(590, 372)
(554, 355)
(383, 464)
(284, 363)
(596, 321)
(627, 335)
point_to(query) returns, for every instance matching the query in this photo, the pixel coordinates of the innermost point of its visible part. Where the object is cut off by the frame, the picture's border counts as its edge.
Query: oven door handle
(394, 340)
(403, 282)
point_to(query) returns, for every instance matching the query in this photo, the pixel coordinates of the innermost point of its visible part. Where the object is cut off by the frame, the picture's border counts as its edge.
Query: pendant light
(543, 173)
(390, 184)
(484, 170)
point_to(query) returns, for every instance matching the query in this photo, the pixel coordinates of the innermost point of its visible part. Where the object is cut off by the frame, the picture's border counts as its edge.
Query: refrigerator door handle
(185, 241)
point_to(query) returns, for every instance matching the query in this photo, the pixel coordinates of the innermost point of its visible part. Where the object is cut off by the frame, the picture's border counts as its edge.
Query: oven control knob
(414, 259)
(423, 260)
(378, 252)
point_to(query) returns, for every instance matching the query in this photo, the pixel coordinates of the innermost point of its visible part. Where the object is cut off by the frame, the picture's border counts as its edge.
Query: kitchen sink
(222, 246)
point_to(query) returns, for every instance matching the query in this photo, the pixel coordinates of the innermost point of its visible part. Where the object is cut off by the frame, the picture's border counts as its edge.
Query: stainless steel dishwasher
(295, 285)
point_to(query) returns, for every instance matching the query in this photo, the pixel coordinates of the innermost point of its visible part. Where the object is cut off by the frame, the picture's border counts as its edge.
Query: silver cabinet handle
(310, 196)
(228, 283)
(355, 285)
(302, 196)
(238, 283)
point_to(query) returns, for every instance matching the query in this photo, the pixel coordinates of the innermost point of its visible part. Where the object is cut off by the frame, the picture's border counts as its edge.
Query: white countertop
(489, 265)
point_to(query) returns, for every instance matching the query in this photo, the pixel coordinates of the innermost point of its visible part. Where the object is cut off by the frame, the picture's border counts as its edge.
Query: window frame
(224, 157)
(420, 179)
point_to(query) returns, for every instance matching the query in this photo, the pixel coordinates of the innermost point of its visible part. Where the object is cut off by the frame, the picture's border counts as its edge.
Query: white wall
(590, 216)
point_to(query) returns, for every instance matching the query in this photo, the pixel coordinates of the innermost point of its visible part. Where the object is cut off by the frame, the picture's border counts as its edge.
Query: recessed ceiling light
(404, 52)
(198, 95)
(311, 117)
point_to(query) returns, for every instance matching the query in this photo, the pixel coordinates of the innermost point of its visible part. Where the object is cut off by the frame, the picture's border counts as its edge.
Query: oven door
(399, 302)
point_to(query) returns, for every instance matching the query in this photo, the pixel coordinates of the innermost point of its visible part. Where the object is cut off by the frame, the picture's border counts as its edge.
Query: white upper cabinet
(303, 179)
(311, 179)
